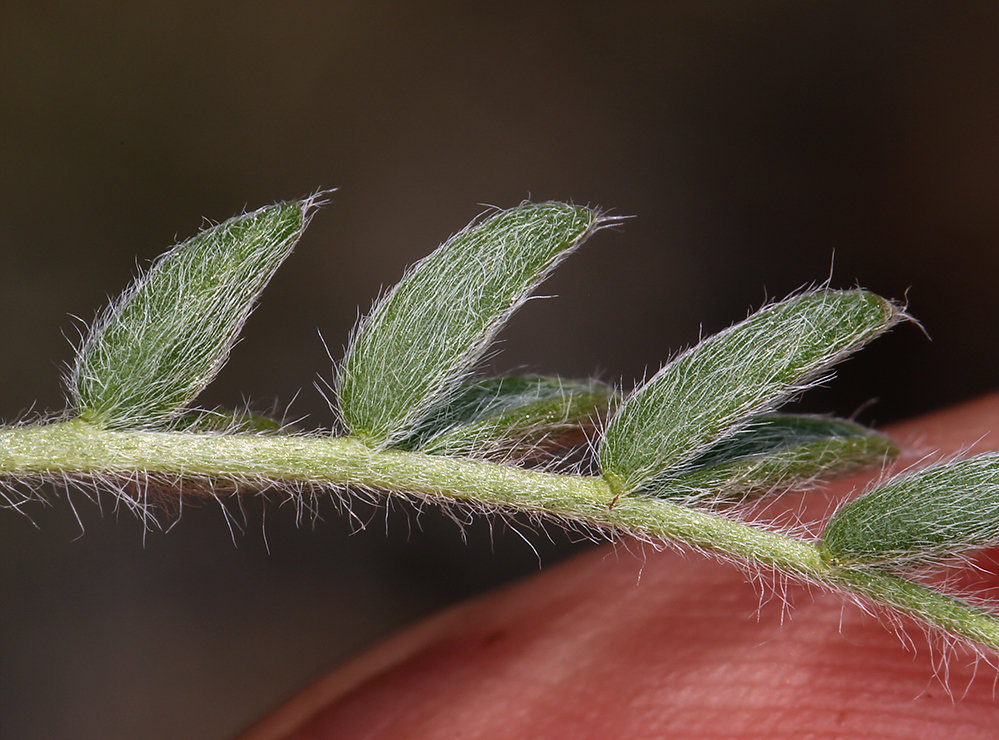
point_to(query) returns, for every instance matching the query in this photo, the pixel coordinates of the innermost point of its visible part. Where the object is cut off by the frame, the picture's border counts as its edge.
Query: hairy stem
(77, 449)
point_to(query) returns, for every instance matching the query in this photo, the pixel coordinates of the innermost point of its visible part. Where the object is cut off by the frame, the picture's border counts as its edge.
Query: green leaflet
(410, 356)
(716, 388)
(227, 421)
(775, 453)
(920, 519)
(155, 348)
(511, 414)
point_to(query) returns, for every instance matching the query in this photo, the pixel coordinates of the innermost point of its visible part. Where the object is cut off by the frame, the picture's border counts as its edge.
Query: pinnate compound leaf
(500, 415)
(412, 354)
(920, 519)
(154, 349)
(717, 388)
(775, 453)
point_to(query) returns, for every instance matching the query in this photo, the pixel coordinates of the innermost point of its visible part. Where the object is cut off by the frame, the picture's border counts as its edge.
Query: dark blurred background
(752, 141)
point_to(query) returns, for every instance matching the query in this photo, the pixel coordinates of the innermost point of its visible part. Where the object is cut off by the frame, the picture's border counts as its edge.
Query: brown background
(751, 140)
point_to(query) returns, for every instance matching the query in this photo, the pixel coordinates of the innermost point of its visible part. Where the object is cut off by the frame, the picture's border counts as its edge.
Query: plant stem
(197, 462)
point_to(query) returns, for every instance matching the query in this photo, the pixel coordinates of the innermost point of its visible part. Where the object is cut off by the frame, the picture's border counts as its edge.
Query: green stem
(77, 449)
(932, 607)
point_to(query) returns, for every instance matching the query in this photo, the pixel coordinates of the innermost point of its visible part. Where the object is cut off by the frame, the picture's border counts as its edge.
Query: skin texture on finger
(632, 643)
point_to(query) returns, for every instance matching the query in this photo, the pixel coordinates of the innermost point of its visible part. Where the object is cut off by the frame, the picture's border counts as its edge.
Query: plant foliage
(421, 420)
